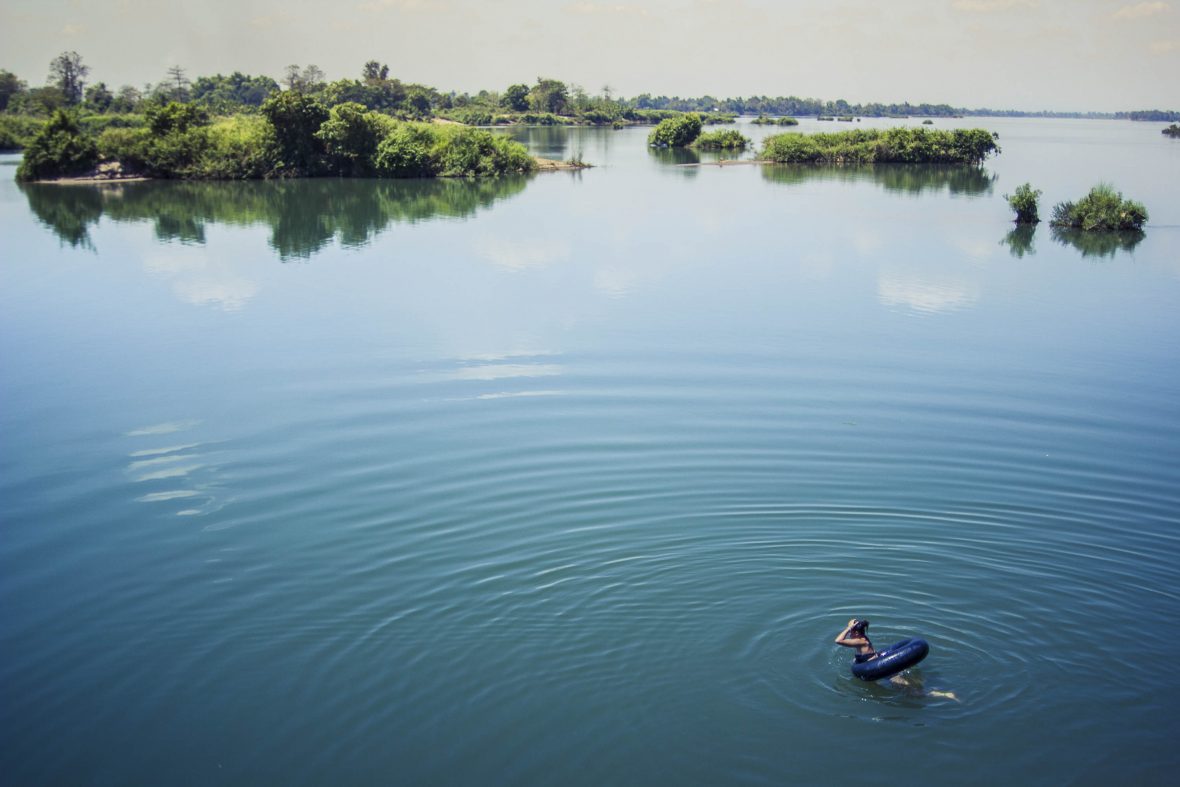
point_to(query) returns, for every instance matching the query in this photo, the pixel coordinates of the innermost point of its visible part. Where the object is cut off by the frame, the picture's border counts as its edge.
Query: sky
(1064, 55)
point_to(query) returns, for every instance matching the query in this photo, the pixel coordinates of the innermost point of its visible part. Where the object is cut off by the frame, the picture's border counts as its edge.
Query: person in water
(855, 635)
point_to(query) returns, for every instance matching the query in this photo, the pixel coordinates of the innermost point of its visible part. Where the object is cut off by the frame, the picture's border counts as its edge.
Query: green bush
(729, 139)
(17, 131)
(59, 149)
(405, 152)
(1024, 202)
(350, 136)
(470, 152)
(236, 149)
(173, 155)
(675, 132)
(1102, 209)
(174, 116)
(893, 145)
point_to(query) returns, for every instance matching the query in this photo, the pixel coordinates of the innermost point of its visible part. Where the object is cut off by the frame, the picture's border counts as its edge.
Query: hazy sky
(1098, 55)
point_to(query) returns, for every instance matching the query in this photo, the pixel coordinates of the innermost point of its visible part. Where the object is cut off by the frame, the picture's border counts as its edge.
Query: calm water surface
(573, 479)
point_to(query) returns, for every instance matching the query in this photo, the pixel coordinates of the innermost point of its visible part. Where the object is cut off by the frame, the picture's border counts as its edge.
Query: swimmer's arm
(850, 642)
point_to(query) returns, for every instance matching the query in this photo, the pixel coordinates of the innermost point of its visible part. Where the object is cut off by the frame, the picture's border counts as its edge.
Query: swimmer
(854, 635)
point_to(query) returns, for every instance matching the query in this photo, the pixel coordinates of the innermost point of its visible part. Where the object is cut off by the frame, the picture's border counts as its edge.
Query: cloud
(522, 255)
(377, 6)
(1140, 10)
(924, 296)
(614, 9)
(1165, 47)
(991, 6)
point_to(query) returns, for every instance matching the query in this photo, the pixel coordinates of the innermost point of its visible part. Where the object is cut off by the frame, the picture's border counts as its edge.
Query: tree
(1024, 202)
(350, 135)
(375, 72)
(59, 149)
(229, 94)
(98, 97)
(296, 118)
(303, 81)
(676, 132)
(10, 86)
(178, 84)
(67, 73)
(548, 95)
(127, 99)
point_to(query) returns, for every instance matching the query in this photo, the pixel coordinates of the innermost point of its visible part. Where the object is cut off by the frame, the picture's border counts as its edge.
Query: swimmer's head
(859, 627)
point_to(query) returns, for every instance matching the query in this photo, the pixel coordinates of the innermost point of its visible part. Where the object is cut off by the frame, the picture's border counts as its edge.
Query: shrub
(236, 149)
(172, 155)
(174, 117)
(729, 139)
(59, 149)
(405, 152)
(1024, 202)
(675, 132)
(17, 131)
(469, 152)
(1172, 131)
(1102, 209)
(350, 136)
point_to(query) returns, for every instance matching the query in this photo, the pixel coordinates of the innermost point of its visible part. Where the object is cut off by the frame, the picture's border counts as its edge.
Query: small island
(882, 146)
(1102, 210)
(1172, 131)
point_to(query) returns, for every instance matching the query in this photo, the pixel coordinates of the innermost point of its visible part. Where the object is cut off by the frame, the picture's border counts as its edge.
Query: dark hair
(859, 627)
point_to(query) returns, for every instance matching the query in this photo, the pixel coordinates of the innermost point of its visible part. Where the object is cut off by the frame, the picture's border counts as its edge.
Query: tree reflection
(304, 215)
(1020, 240)
(1092, 243)
(908, 178)
(68, 210)
(677, 156)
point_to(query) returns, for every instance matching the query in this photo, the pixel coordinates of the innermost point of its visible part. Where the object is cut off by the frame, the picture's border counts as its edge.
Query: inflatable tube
(891, 660)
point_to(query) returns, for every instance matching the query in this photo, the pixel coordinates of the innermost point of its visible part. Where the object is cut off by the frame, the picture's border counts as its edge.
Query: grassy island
(294, 135)
(1103, 209)
(676, 132)
(882, 146)
(762, 120)
(728, 139)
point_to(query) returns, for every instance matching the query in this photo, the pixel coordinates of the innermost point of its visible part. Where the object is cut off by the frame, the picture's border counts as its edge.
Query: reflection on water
(1098, 244)
(67, 210)
(674, 156)
(1020, 240)
(910, 178)
(304, 215)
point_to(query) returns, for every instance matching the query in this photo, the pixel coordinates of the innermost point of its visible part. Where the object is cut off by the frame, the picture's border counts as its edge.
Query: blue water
(574, 479)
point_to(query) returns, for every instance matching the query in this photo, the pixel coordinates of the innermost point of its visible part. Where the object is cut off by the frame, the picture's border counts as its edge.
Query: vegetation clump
(676, 132)
(728, 139)
(59, 149)
(17, 131)
(1102, 209)
(882, 146)
(1024, 201)
(1172, 131)
(763, 120)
